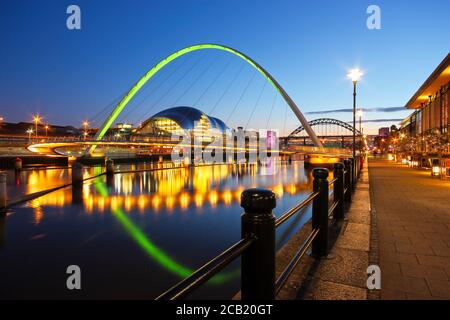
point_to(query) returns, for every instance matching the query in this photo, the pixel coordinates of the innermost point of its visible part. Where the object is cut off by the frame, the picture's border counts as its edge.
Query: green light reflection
(151, 249)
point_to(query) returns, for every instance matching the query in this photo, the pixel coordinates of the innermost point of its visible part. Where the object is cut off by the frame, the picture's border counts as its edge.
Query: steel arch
(320, 121)
(138, 85)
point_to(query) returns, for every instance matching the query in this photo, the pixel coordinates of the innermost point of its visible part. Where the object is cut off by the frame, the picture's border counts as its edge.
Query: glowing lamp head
(436, 170)
(354, 74)
(37, 119)
(360, 113)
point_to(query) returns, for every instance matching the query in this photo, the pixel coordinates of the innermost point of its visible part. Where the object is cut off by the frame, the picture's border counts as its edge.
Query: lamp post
(354, 75)
(36, 120)
(46, 130)
(30, 132)
(85, 125)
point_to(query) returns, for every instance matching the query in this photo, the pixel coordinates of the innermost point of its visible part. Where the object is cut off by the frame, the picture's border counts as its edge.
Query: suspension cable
(285, 117)
(193, 82)
(172, 87)
(227, 89)
(155, 88)
(271, 109)
(213, 82)
(106, 108)
(241, 96)
(256, 104)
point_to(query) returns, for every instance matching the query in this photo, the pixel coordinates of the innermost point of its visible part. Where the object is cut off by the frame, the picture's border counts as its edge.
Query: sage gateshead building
(181, 121)
(427, 128)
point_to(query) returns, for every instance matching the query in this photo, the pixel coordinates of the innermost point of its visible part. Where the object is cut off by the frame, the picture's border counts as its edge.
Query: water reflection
(178, 188)
(146, 230)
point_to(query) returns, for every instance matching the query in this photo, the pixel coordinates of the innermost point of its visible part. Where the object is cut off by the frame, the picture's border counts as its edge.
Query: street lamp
(85, 125)
(36, 120)
(46, 130)
(354, 75)
(30, 132)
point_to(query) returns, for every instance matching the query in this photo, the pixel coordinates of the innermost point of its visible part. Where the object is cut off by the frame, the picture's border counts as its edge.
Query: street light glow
(36, 120)
(360, 113)
(355, 74)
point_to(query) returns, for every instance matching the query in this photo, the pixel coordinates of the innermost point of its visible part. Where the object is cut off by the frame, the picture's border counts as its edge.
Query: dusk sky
(71, 75)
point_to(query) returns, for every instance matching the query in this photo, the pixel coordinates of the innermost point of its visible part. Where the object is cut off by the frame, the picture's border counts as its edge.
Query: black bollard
(352, 173)
(258, 261)
(320, 212)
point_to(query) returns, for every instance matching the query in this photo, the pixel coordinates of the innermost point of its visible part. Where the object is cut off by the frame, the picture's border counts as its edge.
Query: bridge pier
(109, 163)
(17, 164)
(77, 174)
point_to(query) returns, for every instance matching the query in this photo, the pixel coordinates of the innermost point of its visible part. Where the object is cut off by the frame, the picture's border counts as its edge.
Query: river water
(137, 234)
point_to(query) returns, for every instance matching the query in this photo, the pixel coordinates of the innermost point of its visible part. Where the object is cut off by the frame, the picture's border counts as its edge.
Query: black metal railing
(258, 226)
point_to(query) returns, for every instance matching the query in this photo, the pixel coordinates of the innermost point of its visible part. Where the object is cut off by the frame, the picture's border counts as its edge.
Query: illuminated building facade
(180, 121)
(426, 130)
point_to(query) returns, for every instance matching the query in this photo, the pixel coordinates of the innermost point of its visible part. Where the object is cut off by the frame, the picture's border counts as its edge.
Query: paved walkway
(413, 222)
(343, 275)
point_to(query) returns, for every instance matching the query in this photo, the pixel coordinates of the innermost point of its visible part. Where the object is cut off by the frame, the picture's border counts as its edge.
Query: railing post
(258, 261)
(339, 190)
(347, 180)
(320, 212)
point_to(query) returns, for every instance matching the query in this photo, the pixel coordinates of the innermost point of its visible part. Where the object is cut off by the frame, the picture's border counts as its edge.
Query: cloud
(388, 109)
(378, 120)
(383, 120)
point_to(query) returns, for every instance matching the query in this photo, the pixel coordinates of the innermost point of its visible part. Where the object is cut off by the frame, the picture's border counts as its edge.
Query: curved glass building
(179, 121)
